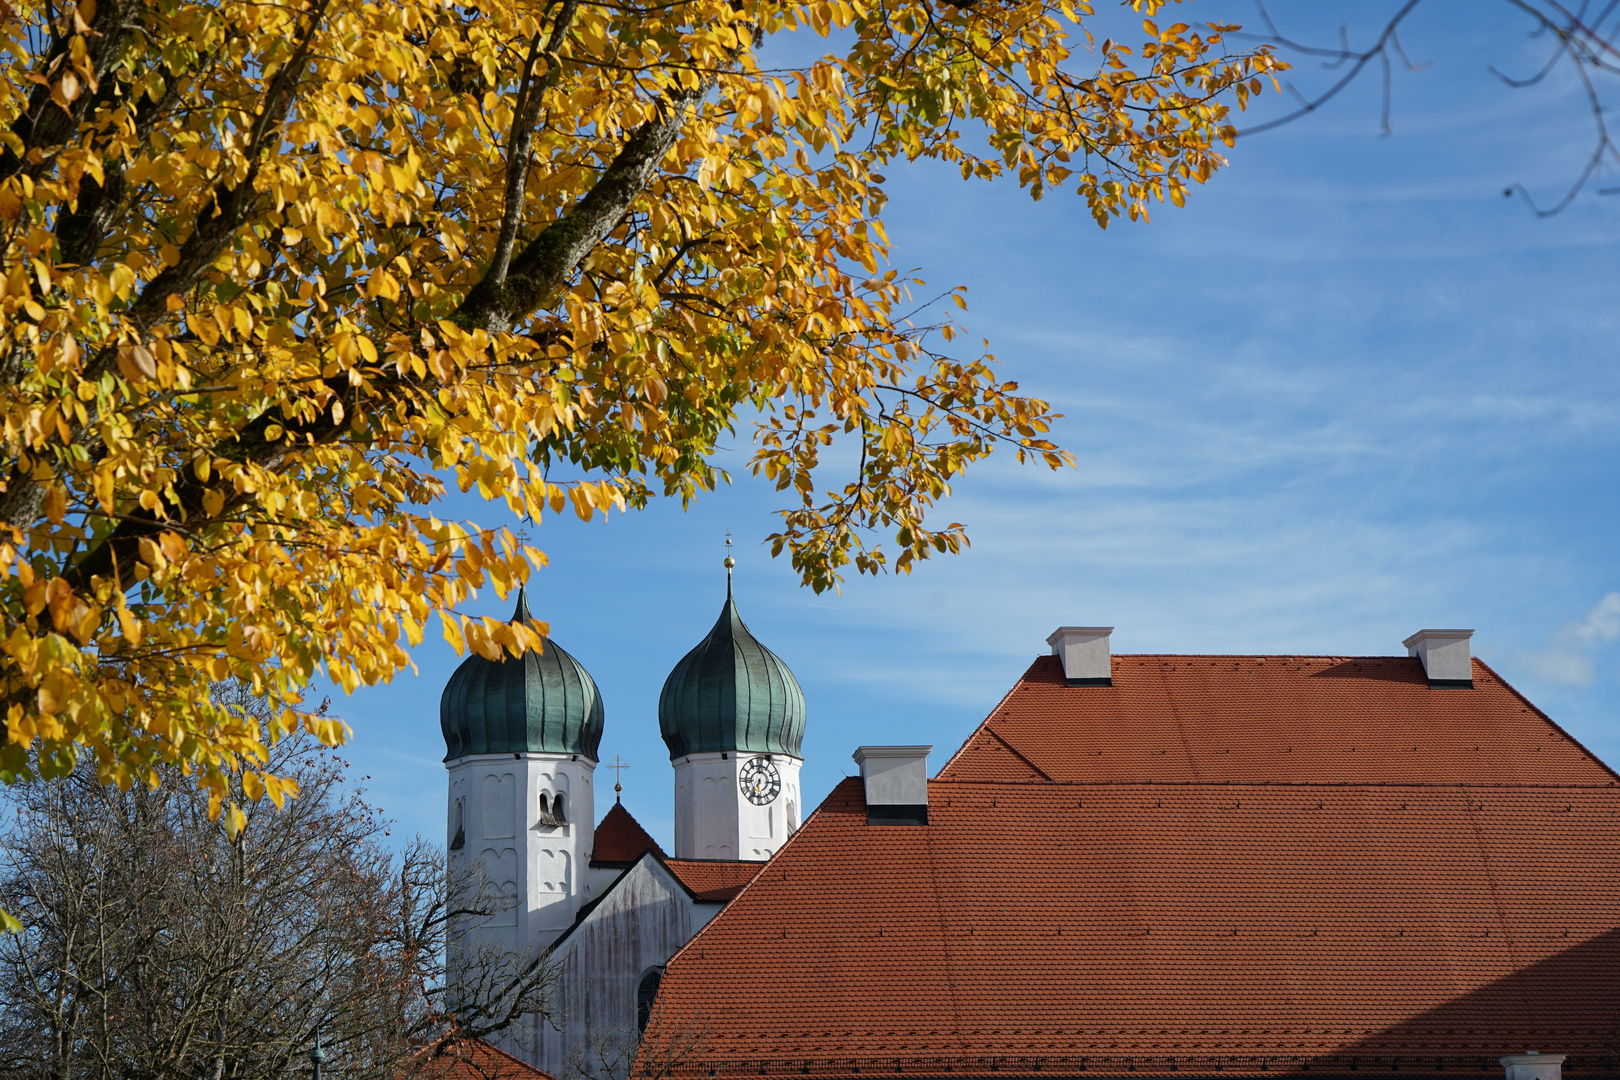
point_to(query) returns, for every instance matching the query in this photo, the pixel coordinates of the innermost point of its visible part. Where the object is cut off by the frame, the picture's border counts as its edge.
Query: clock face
(760, 781)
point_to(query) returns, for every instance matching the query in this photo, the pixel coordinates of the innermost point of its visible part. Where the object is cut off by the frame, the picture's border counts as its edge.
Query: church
(521, 737)
(1166, 864)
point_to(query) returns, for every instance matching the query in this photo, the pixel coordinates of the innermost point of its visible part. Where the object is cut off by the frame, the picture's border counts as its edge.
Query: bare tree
(156, 947)
(1578, 35)
(669, 1042)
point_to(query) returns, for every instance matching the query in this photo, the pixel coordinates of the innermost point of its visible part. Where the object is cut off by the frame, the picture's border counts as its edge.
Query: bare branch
(156, 946)
(1589, 46)
(1358, 61)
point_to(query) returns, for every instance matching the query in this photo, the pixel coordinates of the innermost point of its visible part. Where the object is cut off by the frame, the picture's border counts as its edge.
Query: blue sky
(1348, 392)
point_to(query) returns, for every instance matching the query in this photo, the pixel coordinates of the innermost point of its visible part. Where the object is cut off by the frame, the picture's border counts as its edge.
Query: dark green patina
(535, 703)
(731, 693)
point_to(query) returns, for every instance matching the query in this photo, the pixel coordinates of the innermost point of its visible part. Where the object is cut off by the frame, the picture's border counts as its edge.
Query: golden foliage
(270, 282)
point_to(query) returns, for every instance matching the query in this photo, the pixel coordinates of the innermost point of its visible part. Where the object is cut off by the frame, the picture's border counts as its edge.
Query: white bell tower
(521, 736)
(732, 715)
(526, 818)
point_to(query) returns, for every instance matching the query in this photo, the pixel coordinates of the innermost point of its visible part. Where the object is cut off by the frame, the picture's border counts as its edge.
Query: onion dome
(540, 702)
(731, 693)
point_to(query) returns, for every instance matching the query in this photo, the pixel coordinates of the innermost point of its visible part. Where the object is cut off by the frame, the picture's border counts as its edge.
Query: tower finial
(729, 563)
(618, 775)
(520, 614)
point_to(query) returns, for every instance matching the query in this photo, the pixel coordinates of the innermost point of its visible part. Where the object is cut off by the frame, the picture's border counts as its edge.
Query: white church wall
(638, 925)
(598, 879)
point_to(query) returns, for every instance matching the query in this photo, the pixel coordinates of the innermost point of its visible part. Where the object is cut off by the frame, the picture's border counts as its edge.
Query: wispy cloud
(1559, 665)
(1570, 657)
(1602, 623)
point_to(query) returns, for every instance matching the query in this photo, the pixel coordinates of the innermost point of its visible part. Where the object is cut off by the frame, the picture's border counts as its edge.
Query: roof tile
(713, 881)
(620, 840)
(472, 1059)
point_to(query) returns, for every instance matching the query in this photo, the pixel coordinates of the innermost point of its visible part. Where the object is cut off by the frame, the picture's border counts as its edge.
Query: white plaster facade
(540, 869)
(1446, 654)
(639, 923)
(714, 818)
(598, 878)
(1084, 651)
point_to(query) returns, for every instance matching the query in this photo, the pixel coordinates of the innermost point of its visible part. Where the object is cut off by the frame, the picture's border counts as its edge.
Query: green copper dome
(731, 693)
(542, 702)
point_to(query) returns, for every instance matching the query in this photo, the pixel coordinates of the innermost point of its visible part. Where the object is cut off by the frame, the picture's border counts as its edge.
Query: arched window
(461, 832)
(645, 994)
(545, 811)
(557, 810)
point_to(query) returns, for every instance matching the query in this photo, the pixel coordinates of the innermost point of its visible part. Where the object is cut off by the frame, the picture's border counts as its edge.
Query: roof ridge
(1013, 689)
(1527, 784)
(1549, 721)
(631, 829)
(511, 1057)
(1004, 741)
(486, 1045)
(1254, 656)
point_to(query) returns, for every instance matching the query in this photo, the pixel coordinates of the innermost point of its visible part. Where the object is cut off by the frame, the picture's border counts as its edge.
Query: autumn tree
(276, 274)
(154, 945)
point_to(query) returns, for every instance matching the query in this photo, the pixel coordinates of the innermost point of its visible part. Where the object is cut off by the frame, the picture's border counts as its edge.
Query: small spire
(317, 1056)
(618, 775)
(729, 563)
(521, 612)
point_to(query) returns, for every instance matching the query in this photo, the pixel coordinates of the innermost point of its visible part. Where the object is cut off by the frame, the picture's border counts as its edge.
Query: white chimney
(896, 780)
(1446, 656)
(1533, 1066)
(1085, 654)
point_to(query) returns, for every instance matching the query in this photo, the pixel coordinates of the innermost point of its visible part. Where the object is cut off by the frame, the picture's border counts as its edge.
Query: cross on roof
(618, 775)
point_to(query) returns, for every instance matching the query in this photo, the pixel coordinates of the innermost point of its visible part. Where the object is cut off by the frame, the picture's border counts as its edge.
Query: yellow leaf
(382, 284)
(452, 633)
(130, 626)
(135, 362)
(582, 502)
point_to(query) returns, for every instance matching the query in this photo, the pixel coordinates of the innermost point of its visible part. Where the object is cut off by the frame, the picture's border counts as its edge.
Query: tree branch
(547, 261)
(531, 95)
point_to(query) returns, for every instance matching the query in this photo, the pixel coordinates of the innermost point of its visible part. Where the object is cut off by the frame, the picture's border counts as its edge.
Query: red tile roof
(1314, 719)
(1171, 908)
(717, 882)
(620, 840)
(472, 1059)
